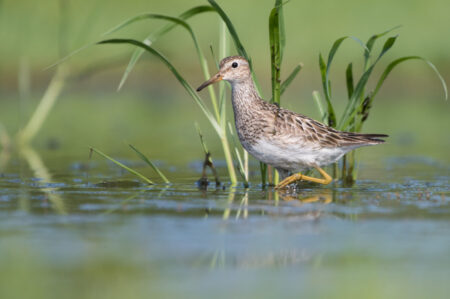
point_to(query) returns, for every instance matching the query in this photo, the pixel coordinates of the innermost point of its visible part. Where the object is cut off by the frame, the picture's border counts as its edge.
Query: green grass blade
(156, 35)
(394, 63)
(152, 165)
(146, 16)
(326, 87)
(48, 101)
(175, 20)
(68, 56)
(386, 73)
(241, 167)
(281, 25)
(318, 101)
(337, 43)
(89, 21)
(151, 38)
(358, 94)
(387, 46)
(371, 42)
(223, 52)
(202, 142)
(208, 159)
(275, 53)
(349, 80)
(186, 26)
(237, 42)
(325, 72)
(214, 57)
(141, 176)
(177, 75)
(290, 78)
(350, 109)
(263, 169)
(237, 155)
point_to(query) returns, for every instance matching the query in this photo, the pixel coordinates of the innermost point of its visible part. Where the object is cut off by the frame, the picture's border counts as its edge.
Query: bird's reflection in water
(325, 197)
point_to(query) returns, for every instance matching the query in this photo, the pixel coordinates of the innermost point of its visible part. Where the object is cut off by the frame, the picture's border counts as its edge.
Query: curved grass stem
(48, 101)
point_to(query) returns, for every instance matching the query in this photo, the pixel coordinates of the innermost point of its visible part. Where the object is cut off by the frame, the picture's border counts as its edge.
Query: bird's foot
(298, 176)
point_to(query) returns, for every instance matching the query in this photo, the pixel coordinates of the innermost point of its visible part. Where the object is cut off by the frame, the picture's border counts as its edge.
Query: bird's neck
(244, 96)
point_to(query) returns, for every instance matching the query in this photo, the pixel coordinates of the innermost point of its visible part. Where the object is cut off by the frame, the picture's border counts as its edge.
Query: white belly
(294, 157)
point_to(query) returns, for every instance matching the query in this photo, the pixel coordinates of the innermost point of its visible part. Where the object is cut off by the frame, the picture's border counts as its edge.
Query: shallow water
(71, 227)
(385, 237)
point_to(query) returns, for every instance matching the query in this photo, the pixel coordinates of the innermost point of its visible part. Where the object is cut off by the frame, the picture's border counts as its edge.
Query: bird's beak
(216, 78)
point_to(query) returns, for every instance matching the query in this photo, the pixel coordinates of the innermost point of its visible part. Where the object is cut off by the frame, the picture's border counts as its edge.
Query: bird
(290, 142)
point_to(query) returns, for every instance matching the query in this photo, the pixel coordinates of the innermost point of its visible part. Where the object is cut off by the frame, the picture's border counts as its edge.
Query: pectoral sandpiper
(288, 141)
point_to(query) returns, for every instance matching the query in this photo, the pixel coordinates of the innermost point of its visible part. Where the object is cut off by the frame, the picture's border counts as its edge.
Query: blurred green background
(36, 34)
(378, 239)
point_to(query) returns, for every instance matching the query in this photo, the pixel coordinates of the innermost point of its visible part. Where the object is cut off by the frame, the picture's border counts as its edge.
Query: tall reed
(360, 96)
(216, 117)
(359, 100)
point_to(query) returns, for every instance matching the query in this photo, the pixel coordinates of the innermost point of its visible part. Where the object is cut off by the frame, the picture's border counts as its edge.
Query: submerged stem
(228, 159)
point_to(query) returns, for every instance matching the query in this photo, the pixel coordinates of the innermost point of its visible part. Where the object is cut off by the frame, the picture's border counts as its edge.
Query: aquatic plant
(129, 169)
(360, 97)
(217, 117)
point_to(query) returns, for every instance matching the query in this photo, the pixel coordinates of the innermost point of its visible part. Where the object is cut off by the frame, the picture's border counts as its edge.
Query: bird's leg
(298, 176)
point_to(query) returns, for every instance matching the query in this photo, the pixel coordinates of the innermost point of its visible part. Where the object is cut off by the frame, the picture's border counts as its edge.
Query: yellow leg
(298, 176)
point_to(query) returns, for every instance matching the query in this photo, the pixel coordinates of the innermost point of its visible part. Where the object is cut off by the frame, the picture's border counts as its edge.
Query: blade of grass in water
(277, 41)
(349, 80)
(325, 74)
(330, 115)
(394, 63)
(275, 52)
(263, 169)
(318, 101)
(151, 164)
(237, 42)
(350, 110)
(202, 142)
(367, 54)
(156, 35)
(389, 69)
(46, 104)
(186, 26)
(208, 159)
(139, 175)
(219, 114)
(282, 29)
(146, 16)
(371, 42)
(223, 52)
(241, 167)
(150, 39)
(180, 78)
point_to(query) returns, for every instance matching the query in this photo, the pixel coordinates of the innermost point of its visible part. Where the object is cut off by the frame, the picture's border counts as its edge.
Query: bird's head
(233, 69)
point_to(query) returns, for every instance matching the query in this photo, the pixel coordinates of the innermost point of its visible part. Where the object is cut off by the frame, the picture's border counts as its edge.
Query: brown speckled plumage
(275, 135)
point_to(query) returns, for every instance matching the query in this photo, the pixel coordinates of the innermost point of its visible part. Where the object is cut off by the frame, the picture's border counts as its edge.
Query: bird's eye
(234, 65)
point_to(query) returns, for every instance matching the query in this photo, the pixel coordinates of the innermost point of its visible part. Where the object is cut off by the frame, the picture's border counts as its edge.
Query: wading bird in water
(288, 141)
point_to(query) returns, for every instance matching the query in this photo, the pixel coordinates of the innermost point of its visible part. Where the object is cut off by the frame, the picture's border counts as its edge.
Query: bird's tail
(351, 138)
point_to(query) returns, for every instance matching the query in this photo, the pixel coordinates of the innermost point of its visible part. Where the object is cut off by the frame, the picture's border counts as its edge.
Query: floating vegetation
(136, 173)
